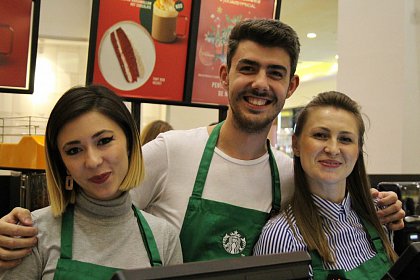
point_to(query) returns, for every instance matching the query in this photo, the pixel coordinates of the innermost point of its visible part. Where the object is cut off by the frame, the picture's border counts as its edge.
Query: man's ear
(293, 85)
(224, 76)
(295, 146)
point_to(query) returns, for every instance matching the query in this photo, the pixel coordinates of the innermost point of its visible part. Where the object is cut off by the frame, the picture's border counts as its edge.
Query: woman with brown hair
(332, 214)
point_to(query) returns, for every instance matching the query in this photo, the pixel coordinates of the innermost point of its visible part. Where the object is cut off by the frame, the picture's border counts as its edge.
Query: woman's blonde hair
(74, 103)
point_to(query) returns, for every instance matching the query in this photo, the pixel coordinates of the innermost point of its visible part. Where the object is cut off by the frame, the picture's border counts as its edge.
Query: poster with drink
(216, 20)
(138, 48)
(18, 45)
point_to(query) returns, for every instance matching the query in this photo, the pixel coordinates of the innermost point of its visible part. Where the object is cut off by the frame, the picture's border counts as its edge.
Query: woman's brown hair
(306, 212)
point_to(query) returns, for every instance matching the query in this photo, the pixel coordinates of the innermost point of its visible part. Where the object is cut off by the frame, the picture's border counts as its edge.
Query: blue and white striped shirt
(343, 228)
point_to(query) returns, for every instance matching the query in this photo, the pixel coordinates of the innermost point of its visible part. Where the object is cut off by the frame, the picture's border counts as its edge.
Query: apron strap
(374, 238)
(148, 239)
(67, 232)
(146, 233)
(206, 158)
(316, 260)
(275, 181)
(205, 162)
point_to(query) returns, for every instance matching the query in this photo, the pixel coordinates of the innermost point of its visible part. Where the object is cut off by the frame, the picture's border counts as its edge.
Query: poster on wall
(216, 20)
(138, 48)
(19, 23)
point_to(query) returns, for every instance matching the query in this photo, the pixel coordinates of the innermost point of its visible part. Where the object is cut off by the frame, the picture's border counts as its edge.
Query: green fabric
(67, 233)
(148, 239)
(374, 268)
(215, 230)
(72, 269)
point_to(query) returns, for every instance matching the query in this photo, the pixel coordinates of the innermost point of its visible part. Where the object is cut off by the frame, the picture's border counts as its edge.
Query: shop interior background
(369, 50)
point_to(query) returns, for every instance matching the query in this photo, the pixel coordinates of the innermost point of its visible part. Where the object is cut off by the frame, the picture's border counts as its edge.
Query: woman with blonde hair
(92, 229)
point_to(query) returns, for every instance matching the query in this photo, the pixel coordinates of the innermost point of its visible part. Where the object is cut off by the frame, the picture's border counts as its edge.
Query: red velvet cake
(126, 57)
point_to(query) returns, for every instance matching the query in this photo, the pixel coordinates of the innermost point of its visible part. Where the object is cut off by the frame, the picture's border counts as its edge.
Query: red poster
(216, 20)
(15, 44)
(141, 47)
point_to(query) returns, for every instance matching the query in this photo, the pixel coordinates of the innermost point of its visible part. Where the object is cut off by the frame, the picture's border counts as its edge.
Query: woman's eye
(320, 135)
(72, 151)
(346, 140)
(105, 140)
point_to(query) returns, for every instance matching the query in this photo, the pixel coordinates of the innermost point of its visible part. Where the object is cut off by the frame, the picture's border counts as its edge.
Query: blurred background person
(152, 130)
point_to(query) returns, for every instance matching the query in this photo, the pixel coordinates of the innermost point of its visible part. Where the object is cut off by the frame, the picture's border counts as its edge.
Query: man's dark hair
(268, 33)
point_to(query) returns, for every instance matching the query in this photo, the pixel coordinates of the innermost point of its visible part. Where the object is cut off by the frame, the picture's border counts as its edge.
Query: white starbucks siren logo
(234, 243)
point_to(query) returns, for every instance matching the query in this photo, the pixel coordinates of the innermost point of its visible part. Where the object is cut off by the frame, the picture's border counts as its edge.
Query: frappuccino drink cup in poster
(164, 21)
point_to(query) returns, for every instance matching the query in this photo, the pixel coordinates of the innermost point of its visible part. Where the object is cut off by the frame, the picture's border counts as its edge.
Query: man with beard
(218, 185)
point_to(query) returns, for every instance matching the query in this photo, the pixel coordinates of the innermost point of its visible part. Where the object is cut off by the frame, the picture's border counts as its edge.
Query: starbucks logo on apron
(234, 243)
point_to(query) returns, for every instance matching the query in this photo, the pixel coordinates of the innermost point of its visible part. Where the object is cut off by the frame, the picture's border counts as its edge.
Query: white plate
(143, 47)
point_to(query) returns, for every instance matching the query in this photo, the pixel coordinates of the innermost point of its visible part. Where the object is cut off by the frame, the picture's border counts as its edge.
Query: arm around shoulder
(391, 212)
(29, 269)
(17, 237)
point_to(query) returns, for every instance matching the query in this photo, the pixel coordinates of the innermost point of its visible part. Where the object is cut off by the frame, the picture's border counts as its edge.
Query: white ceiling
(318, 16)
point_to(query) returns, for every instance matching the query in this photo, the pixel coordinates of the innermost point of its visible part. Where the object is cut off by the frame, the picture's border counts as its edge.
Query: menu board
(139, 48)
(216, 20)
(18, 44)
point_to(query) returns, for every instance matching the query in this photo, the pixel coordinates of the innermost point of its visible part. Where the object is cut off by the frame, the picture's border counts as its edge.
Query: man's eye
(246, 69)
(72, 151)
(276, 75)
(105, 140)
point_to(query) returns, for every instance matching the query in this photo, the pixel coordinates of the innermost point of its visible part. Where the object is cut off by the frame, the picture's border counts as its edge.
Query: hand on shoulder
(391, 212)
(17, 237)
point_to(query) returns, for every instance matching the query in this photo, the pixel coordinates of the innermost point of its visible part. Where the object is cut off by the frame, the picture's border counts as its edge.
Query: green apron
(374, 268)
(72, 269)
(216, 230)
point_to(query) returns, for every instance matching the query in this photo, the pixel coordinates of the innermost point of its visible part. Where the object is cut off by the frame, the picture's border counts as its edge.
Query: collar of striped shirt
(331, 210)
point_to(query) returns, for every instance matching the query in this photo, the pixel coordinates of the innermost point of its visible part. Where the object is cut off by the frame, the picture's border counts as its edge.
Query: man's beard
(251, 125)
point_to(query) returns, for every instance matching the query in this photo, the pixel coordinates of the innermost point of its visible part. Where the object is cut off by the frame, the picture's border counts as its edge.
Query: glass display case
(285, 125)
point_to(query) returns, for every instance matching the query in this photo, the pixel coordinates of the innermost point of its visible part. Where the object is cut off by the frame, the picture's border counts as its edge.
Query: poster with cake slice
(139, 48)
(216, 20)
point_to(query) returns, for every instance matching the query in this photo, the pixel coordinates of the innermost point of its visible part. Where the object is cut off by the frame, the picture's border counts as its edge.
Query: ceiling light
(311, 35)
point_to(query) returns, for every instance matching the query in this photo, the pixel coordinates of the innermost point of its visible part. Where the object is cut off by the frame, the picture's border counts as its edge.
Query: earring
(69, 183)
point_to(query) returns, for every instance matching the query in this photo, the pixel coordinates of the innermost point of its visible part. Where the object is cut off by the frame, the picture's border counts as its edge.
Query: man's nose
(261, 81)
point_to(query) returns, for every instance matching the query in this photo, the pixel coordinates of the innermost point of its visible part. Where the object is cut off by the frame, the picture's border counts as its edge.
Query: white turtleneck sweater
(105, 233)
